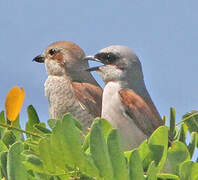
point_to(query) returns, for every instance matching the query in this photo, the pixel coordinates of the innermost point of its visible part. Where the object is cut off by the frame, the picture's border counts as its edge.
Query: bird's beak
(39, 59)
(92, 58)
(93, 69)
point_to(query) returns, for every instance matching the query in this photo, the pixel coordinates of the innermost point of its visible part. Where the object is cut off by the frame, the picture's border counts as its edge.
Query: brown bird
(69, 88)
(126, 103)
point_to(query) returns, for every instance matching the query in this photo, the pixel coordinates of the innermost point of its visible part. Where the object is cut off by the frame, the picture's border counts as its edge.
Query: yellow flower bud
(14, 102)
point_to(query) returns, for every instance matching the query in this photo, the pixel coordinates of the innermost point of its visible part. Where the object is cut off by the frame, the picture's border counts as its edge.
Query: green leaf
(182, 133)
(135, 166)
(15, 166)
(127, 155)
(85, 146)
(177, 154)
(32, 119)
(189, 170)
(66, 133)
(172, 122)
(58, 150)
(31, 144)
(51, 123)
(164, 176)
(77, 124)
(8, 138)
(100, 153)
(3, 147)
(116, 154)
(16, 123)
(34, 163)
(42, 129)
(191, 120)
(46, 155)
(32, 115)
(19, 136)
(31, 175)
(28, 152)
(42, 176)
(90, 169)
(152, 171)
(164, 119)
(66, 146)
(145, 154)
(193, 143)
(158, 144)
(2, 121)
(2, 117)
(106, 128)
(3, 161)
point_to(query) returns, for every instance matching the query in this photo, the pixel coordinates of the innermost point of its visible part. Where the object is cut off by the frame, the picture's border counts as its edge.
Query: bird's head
(63, 57)
(120, 63)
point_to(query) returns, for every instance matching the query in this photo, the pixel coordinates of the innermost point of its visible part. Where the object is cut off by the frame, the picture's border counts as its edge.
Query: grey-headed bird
(69, 88)
(126, 103)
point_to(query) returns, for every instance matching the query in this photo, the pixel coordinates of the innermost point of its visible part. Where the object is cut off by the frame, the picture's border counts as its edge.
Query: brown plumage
(144, 114)
(90, 95)
(68, 87)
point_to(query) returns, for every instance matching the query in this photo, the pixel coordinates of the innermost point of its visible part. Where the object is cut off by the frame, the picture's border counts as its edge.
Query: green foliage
(188, 170)
(99, 151)
(117, 157)
(135, 166)
(15, 166)
(177, 154)
(63, 152)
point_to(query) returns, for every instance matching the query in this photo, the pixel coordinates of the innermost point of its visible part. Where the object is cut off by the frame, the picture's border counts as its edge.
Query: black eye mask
(107, 58)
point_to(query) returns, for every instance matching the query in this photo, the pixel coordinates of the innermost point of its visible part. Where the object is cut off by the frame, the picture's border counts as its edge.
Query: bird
(68, 87)
(126, 103)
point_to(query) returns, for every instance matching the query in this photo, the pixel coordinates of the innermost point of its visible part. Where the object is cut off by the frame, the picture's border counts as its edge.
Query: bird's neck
(82, 76)
(53, 68)
(137, 85)
(75, 75)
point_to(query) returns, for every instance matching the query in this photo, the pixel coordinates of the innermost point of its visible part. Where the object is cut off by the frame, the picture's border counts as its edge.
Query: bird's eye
(110, 57)
(107, 58)
(53, 51)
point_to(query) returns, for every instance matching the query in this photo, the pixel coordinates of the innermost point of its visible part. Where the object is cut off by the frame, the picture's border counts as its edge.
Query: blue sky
(163, 33)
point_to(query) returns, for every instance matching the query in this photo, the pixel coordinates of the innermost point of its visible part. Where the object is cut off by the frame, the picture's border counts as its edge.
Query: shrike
(126, 103)
(69, 88)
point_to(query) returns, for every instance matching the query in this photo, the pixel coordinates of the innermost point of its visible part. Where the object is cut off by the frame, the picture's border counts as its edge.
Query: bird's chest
(57, 88)
(60, 94)
(114, 111)
(111, 105)
(62, 99)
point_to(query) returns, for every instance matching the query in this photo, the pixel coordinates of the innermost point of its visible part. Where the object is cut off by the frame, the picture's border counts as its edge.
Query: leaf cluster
(63, 152)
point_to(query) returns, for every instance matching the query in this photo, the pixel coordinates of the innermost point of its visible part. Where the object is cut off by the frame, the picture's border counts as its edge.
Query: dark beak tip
(39, 59)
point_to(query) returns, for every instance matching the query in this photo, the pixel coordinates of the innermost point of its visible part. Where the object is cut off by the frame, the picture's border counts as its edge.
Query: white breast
(113, 111)
(111, 103)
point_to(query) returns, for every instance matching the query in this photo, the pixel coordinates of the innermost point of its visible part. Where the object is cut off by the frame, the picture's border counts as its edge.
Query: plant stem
(20, 130)
(185, 119)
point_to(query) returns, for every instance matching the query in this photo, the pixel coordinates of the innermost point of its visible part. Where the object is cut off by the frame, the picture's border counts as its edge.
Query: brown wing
(144, 115)
(90, 97)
